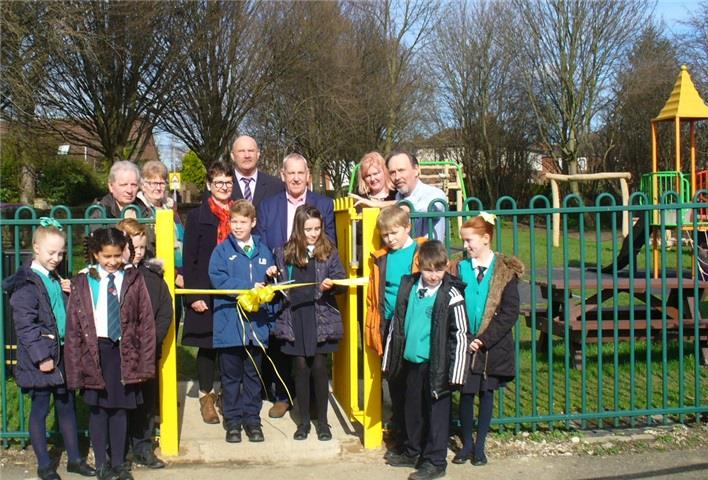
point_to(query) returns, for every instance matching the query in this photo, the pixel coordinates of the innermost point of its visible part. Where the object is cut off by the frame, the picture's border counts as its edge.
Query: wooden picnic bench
(601, 317)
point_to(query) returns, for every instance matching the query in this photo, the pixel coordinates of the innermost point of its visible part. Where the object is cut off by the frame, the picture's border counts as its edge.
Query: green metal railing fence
(592, 347)
(597, 340)
(15, 241)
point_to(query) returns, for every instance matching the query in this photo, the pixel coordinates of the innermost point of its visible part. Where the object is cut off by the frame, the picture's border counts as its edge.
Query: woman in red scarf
(207, 226)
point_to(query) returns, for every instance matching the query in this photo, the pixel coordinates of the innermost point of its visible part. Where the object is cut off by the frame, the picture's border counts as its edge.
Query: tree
(483, 102)
(569, 52)
(401, 28)
(110, 71)
(236, 51)
(694, 44)
(22, 61)
(641, 90)
(193, 170)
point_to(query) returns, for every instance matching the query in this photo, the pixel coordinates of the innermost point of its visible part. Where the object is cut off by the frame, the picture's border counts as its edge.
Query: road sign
(175, 180)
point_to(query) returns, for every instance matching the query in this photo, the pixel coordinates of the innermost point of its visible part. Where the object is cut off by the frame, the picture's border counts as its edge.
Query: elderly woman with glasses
(154, 193)
(207, 226)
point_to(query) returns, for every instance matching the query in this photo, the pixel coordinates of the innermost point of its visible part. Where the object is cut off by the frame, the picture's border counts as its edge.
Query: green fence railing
(602, 340)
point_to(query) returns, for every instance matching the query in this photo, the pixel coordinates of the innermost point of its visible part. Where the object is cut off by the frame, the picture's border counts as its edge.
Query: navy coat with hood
(36, 328)
(327, 317)
(231, 269)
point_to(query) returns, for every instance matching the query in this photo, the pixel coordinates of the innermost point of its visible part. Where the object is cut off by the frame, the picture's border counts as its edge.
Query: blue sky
(674, 11)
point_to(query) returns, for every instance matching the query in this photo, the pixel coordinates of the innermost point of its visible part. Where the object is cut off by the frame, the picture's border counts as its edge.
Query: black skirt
(115, 395)
(477, 383)
(302, 306)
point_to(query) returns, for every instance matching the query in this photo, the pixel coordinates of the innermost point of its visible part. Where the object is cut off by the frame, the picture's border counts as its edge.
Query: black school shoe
(123, 473)
(254, 433)
(149, 460)
(48, 473)
(82, 468)
(107, 473)
(479, 461)
(301, 432)
(402, 460)
(324, 434)
(462, 457)
(427, 471)
(233, 434)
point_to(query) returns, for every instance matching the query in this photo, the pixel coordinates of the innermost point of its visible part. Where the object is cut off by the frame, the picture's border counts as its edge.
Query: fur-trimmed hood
(505, 268)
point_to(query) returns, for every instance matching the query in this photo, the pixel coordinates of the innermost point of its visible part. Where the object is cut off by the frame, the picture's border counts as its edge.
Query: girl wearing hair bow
(492, 302)
(38, 302)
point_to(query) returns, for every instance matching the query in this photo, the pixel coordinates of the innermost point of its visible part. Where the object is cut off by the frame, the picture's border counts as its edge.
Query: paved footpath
(681, 464)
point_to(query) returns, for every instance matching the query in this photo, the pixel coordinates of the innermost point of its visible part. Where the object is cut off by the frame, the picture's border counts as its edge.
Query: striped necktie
(480, 275)
(247, 194)
(113, 309)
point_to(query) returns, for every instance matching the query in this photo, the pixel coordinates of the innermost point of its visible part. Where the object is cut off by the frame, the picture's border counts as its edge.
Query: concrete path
(204, 443)
(681, 464)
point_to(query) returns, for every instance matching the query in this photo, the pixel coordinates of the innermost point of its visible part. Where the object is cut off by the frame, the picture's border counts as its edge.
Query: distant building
(68, 140)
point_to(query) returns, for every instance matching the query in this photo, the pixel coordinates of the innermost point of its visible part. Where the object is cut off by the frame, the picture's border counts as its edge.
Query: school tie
(247, 194)
(422, 292)
(480, 275)
(247, 249)
(113, 308)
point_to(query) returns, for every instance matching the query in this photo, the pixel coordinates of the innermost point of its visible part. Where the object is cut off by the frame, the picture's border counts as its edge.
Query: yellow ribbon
(252, 299)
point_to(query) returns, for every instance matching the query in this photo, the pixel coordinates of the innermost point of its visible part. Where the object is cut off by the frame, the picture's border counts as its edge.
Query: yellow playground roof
(684, 102)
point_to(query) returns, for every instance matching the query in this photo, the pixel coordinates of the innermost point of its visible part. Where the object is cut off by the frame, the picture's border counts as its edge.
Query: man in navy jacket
(274, 226)
(249, 182)
(275, 214)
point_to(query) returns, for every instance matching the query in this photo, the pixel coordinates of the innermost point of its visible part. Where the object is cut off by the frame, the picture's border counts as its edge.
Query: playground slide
(638, 233)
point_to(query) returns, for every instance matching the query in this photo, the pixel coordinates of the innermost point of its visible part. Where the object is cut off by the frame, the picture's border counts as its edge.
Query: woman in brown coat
(109, 346)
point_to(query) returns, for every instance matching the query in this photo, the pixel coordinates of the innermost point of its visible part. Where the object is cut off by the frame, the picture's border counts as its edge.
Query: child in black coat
(142, 419)
(427, 344)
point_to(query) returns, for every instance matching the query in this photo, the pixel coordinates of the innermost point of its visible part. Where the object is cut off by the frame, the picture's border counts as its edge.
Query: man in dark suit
(274, 226)
(249, 182)
(275, 214)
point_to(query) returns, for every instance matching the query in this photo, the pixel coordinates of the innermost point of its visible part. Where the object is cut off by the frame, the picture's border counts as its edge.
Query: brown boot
(278, 409)
(207, 408)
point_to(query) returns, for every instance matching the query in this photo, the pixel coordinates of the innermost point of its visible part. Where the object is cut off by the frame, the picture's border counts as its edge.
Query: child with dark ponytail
(110, 345)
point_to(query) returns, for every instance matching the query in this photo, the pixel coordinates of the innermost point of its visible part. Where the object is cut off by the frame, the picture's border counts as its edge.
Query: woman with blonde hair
(374, 185)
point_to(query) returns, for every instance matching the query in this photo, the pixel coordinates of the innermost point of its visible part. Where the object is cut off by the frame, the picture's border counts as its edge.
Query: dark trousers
(241, 385)
(397, 392)
(141, 423)
(275, 390)
(427, 418)
(66, 415)
(484, 419)
(309, 371)
(206, 365)
(108, 427)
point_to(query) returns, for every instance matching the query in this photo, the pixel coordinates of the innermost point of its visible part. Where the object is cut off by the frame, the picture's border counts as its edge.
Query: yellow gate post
(345, 376)
(169, 425)
(345, 366)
